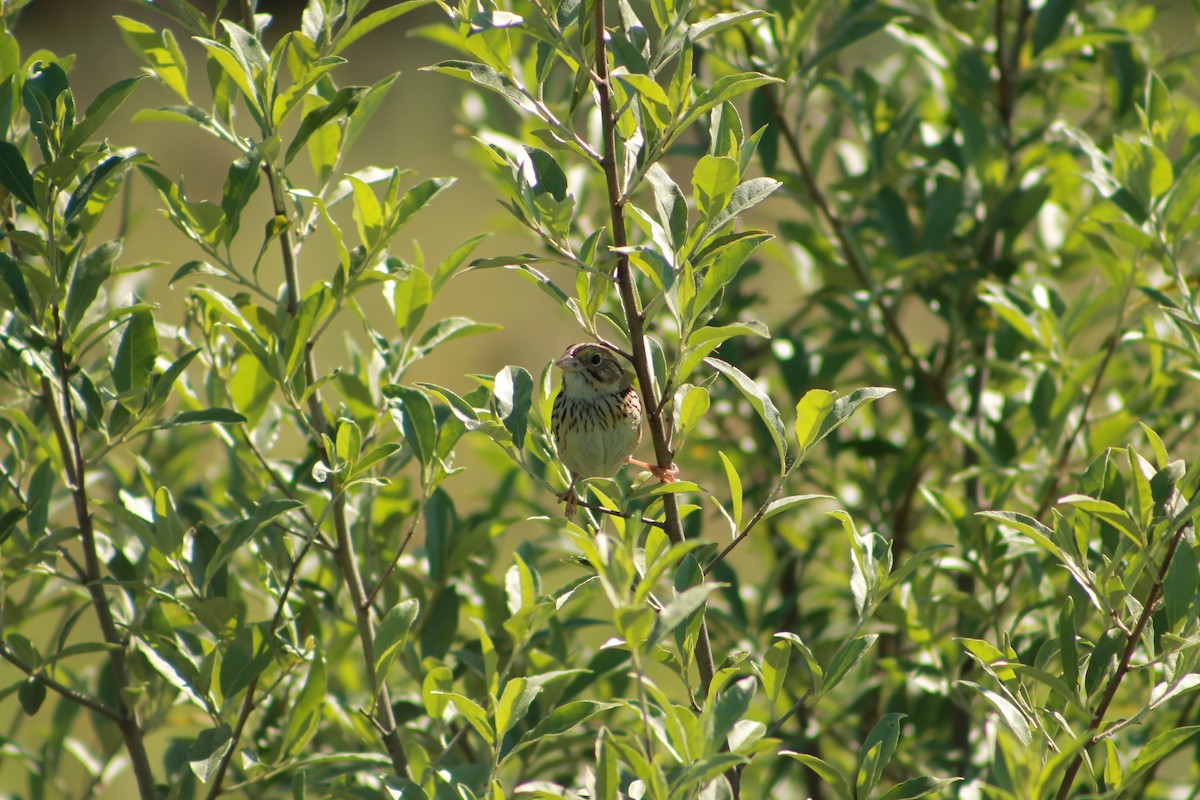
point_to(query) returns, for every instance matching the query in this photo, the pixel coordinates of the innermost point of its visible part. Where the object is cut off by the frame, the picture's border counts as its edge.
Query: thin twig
(408, 535)
(66, 691)
(850, 251)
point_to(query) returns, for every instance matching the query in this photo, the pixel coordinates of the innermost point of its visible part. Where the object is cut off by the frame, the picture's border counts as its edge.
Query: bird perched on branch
(597, 418)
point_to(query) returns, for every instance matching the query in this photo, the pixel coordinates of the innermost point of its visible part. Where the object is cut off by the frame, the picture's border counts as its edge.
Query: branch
(635, 319)
(1118, 675)
(343, 549)
(850, 252)
(62, 415)
(66, 691)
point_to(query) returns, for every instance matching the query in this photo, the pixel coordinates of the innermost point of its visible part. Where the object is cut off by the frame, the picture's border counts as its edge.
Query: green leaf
(676, 612)
(413, 415)
(345, 100)
(1180, 587)
(348, 441)
(1157, 749)
(731, 706)
(745, 196)
(713, 182)
(168, 527)
(1067, 647)
(241, 182)
(735, 489)
(919, 787)
(651, 96)
(89, 275)
(411, 297)
(691, 404)
(454, 262)
(98, 112)
(300, 330)
(845, 659)
(844, 408)
(160, 51)
(910, 565)
(484, 21)
(877, 751)
(10, 271)
(726, 88)
(368, 214)
(782, 504)
(720, 22)
(414, 200)
(1009, 712)
(562, 720)
(435, 686)
(14, 174)
(304, 715)
(485, 76)
(247, 656)
(9, 519)
(374, 20)
(206, 416)
(367, 107)
(828, 772)
(240, 533)
(669, 203)
(811, 412)
(514, 703)
(207, 750)
(708, 338)
(135, 354)
(239, 72)
(474, 714)
(392, 636)
(1048, 23)
(512, 394)
(31, 694)
(731, 254)
(761, 403)
(775, 668)
(449, 329)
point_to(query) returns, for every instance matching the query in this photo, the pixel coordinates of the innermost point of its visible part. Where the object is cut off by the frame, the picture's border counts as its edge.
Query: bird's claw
(571, 499)
(668, 475)
(665, 474)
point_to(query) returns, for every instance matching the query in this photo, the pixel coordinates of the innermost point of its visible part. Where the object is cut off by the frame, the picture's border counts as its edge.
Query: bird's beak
(568, 363)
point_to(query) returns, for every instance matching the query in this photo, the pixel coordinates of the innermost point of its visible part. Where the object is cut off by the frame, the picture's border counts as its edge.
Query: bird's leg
(668, 475)
(570, 498)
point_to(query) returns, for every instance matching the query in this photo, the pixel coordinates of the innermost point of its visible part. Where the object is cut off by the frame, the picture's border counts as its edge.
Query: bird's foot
(571, 499)
(667, 475)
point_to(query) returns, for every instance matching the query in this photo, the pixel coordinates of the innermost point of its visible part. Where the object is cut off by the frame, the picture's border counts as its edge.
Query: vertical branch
(635, 319)
(344, 550)
(62, 416)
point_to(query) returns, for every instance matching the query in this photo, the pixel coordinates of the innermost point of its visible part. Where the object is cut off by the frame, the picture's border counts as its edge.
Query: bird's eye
(596, 359)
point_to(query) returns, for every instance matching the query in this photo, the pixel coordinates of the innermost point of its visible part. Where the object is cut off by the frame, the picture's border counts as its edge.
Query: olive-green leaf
(14, 174)
(762, 404)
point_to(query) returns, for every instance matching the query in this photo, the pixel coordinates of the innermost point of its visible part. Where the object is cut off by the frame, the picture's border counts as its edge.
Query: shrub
(934, 534)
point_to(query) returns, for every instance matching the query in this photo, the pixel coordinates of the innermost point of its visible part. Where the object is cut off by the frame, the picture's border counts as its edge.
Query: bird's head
(592, 368)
